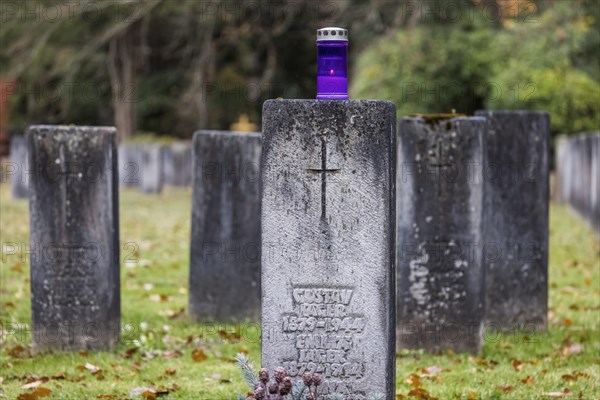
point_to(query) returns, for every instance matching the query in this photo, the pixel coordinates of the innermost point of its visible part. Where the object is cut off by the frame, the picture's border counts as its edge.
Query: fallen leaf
(414, 380)
(172, 315)
(567, 322)
(198, 355)
(432, 371)
(472, 396)
(107, 396)
(518, 365)
(139, 391)
(92, 368)
(558, 395)
(505, 388)
(575, 348)
(170, 371)
(421, 394)
(34, 384)
(528, 380)
(36, 394)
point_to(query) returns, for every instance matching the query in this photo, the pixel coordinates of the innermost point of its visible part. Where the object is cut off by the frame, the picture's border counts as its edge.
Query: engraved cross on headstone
(439, 164)
(324, 171)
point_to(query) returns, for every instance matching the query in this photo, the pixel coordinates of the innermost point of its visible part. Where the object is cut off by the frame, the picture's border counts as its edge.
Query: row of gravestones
(149, 167)
(578, 175)
(315, 217)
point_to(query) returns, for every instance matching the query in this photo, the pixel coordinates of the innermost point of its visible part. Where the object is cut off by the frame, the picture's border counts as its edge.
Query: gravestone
(328, 250)
(177, 164)
(577, 178)
(130, 161)
(19, 168)
(516, 220)
(440, 267)
(225, 248)
(75, 294)
(150, 171)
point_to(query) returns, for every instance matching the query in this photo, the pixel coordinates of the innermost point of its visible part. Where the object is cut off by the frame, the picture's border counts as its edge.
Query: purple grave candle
(332, 64)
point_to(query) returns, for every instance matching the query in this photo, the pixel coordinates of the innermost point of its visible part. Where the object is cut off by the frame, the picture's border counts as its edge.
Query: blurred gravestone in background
(578, 175)
(176, 164)
(130, 161)
(19, 168)
(151, 168)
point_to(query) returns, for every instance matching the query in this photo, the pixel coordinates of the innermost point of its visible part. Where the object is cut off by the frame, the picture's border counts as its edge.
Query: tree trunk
(122, 71)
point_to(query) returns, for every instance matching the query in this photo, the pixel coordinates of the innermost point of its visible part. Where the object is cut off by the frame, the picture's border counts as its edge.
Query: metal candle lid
(332, 33)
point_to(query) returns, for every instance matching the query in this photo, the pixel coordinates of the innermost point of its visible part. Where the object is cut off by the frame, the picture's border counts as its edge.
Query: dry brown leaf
(198, 355)
(421, 394)
(414, 380)
(505, 388)
(574, 348)
(518, 365)
(92, 368)
(34, 384)
(107, 396)
(558, 395)
(170, 371)
(528, 380)
(38, 393)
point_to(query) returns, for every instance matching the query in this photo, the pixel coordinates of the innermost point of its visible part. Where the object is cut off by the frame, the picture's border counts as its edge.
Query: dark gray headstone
(130, 161)
(225, 248)
(516, 220)
(151, 171)
(74, 232)
(328, 251)
(19, 167)
(440, 267)
(177, 164)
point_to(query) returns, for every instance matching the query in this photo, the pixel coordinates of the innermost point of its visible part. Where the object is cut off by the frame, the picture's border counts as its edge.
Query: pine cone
(263, 375)
(307, 378)
(260, 391)
(317, 380)
(279, 374)
(273, 387)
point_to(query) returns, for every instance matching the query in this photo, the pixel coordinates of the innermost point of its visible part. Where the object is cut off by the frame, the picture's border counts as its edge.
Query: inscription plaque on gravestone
(151, 173)
(328, 250)
(225, 248)
(516, 220)
(19, 167)
(440, 267)
(75, 294)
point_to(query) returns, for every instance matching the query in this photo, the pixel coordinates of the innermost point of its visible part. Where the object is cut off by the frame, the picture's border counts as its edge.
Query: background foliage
(170, 67)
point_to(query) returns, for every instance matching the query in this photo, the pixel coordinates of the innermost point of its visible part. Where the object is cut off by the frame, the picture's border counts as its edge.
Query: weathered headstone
(150, 171)
(516, 220)
(18, 168)
(177, 164)
(578, 175)
(225, 248)
(328, 250)
(74, 236)
(130, 161)
(440, 266)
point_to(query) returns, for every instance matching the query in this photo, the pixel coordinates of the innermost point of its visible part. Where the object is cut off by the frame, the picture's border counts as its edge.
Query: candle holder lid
(332, 33)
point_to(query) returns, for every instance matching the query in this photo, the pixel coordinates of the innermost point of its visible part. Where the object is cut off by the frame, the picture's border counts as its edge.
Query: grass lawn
(161, 349)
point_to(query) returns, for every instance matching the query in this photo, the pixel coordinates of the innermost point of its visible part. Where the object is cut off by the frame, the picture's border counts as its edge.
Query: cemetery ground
(178, 359)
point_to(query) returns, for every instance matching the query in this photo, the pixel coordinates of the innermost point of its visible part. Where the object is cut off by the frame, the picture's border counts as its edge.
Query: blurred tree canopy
(541, 55)
(171, 67)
